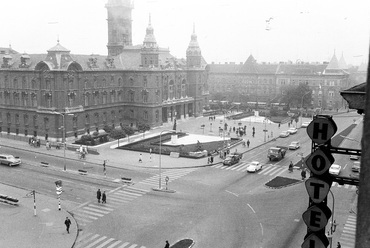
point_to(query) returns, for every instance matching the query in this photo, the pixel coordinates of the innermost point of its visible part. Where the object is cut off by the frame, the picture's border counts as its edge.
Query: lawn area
(184, 150)
(280, 182)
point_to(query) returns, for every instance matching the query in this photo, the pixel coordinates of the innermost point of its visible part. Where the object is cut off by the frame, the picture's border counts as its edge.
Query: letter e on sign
(317, 189)
(321, 129)
(316, 217)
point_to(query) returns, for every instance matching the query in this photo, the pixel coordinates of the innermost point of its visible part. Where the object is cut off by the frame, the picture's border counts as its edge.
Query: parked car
(284, 134)
(254, 166)
(9, 160)
(335, 169)
(294, 145)
(356, 166)
(354, 157)
(305, 124)
(292, 130)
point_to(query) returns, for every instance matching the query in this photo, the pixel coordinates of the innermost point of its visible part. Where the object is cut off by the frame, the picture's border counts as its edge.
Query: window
(145, 96)
(86, 99)
(156, 115)
(145, 81)
(132, 113)
(17, 119)
(146, 117)
(132, 96)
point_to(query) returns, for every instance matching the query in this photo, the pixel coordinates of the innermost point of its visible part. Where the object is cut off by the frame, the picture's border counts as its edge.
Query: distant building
(263, 82)
(133, 84)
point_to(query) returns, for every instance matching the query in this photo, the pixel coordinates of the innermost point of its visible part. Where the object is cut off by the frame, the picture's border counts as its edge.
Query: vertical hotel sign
(320, 130)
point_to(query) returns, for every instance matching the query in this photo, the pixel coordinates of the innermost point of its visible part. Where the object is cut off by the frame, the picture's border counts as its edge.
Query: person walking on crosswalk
(104, 198)
(98, 195)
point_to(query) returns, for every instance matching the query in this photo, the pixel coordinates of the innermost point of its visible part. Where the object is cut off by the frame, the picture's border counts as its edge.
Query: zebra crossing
(91, 240)
(172, 175)
(93, 211)
(242, 167)
(348, 236)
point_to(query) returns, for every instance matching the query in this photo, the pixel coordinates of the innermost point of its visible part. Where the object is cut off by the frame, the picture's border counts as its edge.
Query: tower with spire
(149, 50)
(193, 52)
(119, 25)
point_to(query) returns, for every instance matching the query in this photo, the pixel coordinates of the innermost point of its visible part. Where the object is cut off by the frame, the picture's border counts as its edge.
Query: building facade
(40, 94)
(265, 82)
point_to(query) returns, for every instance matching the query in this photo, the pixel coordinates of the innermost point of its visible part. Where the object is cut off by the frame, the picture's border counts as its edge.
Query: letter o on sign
(320, 161)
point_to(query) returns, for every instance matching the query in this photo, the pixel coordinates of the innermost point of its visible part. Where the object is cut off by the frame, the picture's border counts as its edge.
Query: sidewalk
(20, 228)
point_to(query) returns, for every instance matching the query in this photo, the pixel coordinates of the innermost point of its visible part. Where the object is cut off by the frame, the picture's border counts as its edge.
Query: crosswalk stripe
(91, 213)
(96, 210)
(101, 207)
(266, 170)
(120, 200)
(136, 190)
(83, 215)
(124, 245)
(275, 171)
(105, 243)
(242, 165)
(125, 193)
(86, 241)
(81, 219)
(114, 244)
(95, 242)
(133, 246)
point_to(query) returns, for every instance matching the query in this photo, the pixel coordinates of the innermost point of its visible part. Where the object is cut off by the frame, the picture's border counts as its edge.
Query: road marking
(251, 208)
(261, 228)
(232, 193)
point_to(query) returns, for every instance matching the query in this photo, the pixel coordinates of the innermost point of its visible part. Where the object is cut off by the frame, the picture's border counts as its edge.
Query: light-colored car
(354, 157)
(9, 160)
(305, 124)
(335, 169)
(284, 134)
(292, 130)
(254, 166)
(294, 145)
(356, 166)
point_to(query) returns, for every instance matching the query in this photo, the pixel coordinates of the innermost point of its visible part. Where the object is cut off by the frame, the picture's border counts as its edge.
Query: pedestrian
(167, 244)
(279, 125)
(98, 195)
(339, 245)
(104, 167)
(67, 222)
(253, 134)
(140, 158)
(303, 174)
(104, 198)
(248, 142)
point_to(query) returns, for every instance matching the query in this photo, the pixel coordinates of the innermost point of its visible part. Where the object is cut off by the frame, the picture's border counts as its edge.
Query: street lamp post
(160, 156)
(302, 103)
(63, 138)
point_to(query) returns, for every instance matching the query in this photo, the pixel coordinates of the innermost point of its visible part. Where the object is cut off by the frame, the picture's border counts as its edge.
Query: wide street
(215, 205)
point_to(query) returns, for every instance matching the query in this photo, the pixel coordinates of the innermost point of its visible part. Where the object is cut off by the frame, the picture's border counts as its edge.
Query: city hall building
(40, 94)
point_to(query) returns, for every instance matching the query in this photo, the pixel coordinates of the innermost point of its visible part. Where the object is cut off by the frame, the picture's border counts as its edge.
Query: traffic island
(164, 190)
(281, 182)
(184, 243)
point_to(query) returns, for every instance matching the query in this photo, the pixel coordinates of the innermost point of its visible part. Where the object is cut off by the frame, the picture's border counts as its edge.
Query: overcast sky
(228, 30)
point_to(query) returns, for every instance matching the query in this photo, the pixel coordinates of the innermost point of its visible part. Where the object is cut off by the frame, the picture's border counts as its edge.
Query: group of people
(303, 172)
(101, 196)
(34, 142)
(82, 150)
